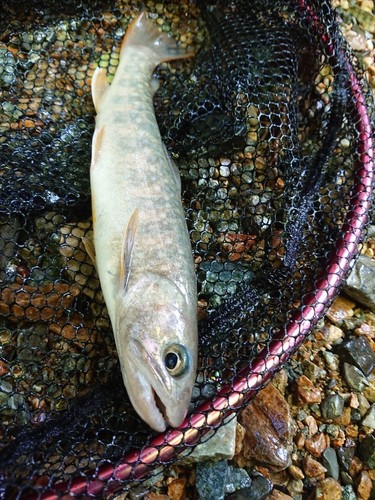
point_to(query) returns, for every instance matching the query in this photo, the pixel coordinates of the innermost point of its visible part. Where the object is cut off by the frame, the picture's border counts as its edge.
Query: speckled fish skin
(139, 225)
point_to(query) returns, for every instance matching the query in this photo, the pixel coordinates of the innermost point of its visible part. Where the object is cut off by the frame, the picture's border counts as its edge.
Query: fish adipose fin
(99, 85)
(144, 32)
(127, 248)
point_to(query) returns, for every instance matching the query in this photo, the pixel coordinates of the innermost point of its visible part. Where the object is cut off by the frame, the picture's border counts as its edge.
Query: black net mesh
(270, 125)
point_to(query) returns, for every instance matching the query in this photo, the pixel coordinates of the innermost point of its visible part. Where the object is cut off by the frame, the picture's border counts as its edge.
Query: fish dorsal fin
(99, 85)
(127, 248)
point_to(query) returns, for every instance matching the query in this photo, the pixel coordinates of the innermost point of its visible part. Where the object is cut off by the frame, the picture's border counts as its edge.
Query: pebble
(341, 309)
(259, 490)
(330, 462)
(313, 468)
(332, 406)
(316, 444)
(278, 495)
(354, 377)
(211, 478)
(358, 352)
(306, 392)
(366, 451)
(360, 284)
(348, 493)
(364, 485)
(328, 489)
(237, 479)
(369, 420)
(345, 457)
(369, 391)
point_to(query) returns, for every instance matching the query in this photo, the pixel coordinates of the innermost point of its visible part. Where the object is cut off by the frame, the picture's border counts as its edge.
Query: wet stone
(328, 489)
(211, 478)
(348, 493)
(237, 479)
(369, 420)
(332, 406)
(345, 457)
(366, 451)
(261, 487)
(330, 462)
(360, 284)
(364, 485)
(354, 377)
(357, 351)
(346, 478)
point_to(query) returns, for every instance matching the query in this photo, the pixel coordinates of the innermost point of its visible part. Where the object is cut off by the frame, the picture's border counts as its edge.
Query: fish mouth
(151, 392)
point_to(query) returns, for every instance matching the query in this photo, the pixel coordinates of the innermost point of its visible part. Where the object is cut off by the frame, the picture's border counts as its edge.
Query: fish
(141, 241)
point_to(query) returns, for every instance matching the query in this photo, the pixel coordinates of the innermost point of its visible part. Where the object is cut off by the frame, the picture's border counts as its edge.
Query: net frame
(167, 446)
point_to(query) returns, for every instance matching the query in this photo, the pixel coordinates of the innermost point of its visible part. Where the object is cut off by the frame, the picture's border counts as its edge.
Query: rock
(357, 351)
(177, 489)
(296, 472)
(369, 391)
(334, 334)
(311, 425)
(348, 493)
(330, 462)
(221, 446)
(332, 406)
(354, 377)
(369, 420)
(211, 478)
(261, 487)
(312, 468)
(360, 285)
(328, 489)
(278, 495)
(237, 479)
(366, 451)
(259, 490)
(345, 457)
(306, 392)
(341, 309)
(364, 485)
(316, 444)
(268, 424)
(295, 487)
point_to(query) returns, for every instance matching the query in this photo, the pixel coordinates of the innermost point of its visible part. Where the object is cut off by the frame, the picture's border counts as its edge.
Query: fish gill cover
(270, 126)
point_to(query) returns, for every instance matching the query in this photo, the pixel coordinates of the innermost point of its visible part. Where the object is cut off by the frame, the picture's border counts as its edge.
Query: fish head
(156, 336)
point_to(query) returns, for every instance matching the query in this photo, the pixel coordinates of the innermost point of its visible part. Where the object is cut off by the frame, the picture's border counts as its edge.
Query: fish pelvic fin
(89, 247)
(99, 86)
(127, 248)
(144, 32)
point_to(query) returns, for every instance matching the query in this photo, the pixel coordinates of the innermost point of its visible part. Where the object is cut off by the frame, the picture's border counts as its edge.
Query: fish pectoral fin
(89, 247)
(174, 169)
(127, 248)
(99, 85)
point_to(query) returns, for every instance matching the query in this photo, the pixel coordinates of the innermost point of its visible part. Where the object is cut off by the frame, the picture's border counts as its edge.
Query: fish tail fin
(144, 32)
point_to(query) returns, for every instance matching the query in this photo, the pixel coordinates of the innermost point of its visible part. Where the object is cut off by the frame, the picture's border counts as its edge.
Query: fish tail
(144, 32)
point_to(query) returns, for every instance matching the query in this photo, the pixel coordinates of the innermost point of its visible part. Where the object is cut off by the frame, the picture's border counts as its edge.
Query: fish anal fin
(96, 143)
(127, 247)
(99, 85)
(89, 247)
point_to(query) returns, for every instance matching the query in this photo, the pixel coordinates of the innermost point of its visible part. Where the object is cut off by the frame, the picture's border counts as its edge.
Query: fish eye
(176, 360)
